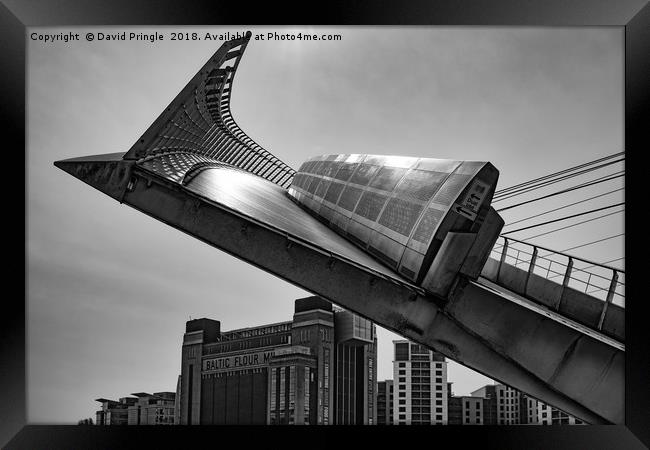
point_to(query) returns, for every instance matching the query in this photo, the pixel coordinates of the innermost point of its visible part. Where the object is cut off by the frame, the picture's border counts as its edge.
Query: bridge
(546, 323)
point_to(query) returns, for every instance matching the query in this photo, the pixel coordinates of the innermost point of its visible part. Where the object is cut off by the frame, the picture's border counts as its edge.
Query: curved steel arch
(198, 127)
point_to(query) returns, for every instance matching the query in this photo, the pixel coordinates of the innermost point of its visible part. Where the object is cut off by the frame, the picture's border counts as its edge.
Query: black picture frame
(16, 15)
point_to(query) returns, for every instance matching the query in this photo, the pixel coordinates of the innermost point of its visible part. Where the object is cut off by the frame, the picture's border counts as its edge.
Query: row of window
(419, 417)
(420, 365)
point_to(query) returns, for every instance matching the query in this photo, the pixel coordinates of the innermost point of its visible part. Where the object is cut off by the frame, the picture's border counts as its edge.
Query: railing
(594, 279)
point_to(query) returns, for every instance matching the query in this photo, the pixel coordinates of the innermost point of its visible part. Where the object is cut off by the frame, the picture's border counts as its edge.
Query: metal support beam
(531, 268)
(565, 283)
(610, 297)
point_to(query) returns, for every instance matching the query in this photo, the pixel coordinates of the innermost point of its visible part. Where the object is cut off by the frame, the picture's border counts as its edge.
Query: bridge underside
(481, 326)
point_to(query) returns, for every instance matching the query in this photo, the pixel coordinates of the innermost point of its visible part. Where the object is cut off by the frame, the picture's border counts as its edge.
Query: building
(549, 415)
(114, 412)
(529, 410)
(454, 407)
(385, 402)
(355, 390)
(319, 368)
(501, 404)
(142, 409)
(495, 404)
(420, 385)
(152, 409)
(177, 402)
(472, 411)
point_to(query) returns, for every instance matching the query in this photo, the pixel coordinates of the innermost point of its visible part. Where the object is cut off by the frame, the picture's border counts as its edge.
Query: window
(402, 380)
(402, 402)
(402, 364)
(402, 372)
(402, 409)
(402, 394)
(401, 352)
(326, 375)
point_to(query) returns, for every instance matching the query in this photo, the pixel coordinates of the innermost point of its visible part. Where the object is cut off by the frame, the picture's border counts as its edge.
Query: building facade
(502, 404)
(385, 402)
(494, 404)
(152, 409)
(420, 385)
(141, 409)
(549, 415)
(114, 412)
(529, 410)
(355, 390)
(319, 368)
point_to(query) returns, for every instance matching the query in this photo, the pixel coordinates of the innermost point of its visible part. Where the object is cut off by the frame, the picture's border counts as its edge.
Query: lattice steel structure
(197, 130)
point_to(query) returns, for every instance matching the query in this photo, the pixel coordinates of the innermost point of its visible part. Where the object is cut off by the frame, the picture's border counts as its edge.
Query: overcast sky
(110, 288)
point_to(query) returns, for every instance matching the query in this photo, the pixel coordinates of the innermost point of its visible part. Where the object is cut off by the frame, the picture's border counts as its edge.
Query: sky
(110, 289)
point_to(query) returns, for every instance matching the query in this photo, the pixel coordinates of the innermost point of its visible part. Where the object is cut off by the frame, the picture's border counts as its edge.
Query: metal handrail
(507, 251)
(558, 253)
(576, 269)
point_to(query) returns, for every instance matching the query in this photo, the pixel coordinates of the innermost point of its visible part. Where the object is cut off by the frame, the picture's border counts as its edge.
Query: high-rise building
(385, 402)
(355, 391)
(319, 368)
(420, 385)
